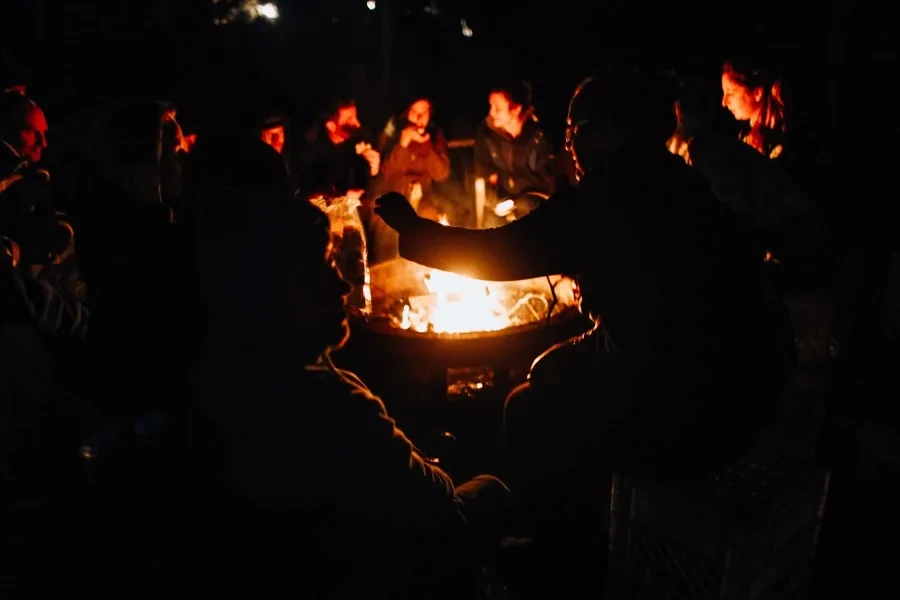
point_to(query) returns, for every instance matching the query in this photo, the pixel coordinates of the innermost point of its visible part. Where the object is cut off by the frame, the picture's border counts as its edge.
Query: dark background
(839, 56)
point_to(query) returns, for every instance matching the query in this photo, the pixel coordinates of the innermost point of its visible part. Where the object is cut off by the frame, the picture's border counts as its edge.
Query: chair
(750, 532)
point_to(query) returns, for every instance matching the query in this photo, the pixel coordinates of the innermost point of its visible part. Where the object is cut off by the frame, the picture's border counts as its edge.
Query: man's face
(319, 298)
(743, 102)
(502, 114)
(33, 135)
(344, 124)
(274, 136)
(419, 114)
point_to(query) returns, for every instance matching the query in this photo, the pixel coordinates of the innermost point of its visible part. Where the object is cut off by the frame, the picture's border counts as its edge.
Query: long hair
(390, 135)
(767, 132)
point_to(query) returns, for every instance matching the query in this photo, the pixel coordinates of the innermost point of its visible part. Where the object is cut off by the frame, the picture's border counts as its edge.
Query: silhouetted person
(681, 368)
(307, 447)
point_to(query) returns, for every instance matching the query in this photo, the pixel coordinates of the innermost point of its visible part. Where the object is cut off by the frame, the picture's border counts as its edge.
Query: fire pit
(443, 351)
(425, 322)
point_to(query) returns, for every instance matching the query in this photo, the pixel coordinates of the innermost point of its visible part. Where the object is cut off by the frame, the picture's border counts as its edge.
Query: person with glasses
(680, 367)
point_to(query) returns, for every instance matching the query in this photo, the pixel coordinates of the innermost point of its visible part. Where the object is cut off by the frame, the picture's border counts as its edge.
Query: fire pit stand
(437, 383)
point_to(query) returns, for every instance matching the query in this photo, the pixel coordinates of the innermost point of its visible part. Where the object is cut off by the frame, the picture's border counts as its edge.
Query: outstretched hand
(396, 211)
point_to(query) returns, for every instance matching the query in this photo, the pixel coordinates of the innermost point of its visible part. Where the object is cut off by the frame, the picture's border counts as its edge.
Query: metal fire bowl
(376, 345)
(405, 354)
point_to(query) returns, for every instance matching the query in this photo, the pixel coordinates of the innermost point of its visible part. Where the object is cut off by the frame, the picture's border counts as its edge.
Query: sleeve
(484, 163)
(56, 311)
(541, 176)
(395, 162)
(536, 245)
(393, 459)
(437, 157)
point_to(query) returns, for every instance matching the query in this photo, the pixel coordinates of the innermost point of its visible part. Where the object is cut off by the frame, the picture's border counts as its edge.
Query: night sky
(78, 52)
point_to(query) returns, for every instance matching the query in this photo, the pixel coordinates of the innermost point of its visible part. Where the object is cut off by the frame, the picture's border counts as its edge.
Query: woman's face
(274, 136)
(503, 114)
(419, 114)
(743, 102)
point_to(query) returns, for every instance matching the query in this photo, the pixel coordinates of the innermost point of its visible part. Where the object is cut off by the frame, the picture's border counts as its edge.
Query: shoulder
(483, 131)
(341, 384)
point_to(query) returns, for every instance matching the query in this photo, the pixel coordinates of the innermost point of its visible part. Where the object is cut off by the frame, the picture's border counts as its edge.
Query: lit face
(344, 124)
(743, 102)
(33, 135)
(503, 114)
(318, 299)
(419, 114)
(274, 136)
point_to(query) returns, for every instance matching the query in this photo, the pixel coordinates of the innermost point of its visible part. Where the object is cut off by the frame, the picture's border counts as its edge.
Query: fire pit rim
(381, 325)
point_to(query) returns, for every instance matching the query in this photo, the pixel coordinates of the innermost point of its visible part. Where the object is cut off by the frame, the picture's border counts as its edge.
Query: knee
(519, 401)
(484, 488)
(522, 415)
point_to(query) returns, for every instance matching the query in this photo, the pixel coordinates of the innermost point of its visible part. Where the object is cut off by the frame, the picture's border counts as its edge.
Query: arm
(396, 161)
(536, 245)
(393, 459)
(436, 157)
(541, 172)
(386, 465)
(484, 162)
(53, 309)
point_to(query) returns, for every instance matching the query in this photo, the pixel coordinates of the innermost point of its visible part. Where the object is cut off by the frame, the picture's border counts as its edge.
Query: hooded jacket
(522, 164)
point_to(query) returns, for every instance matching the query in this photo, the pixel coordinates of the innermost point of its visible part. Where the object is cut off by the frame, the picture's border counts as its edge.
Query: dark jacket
(332, 169)
(522, 164)
(674, 276)
(312, 445)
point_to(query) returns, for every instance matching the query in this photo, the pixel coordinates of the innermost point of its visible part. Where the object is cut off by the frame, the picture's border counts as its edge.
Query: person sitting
(681, 368)
(511, 151)
(306, 443)
(338, 157)
(415, 156)
(789, 223)
(415, 153)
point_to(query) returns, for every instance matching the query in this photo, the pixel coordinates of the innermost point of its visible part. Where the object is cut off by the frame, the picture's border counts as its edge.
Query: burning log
(417, 299)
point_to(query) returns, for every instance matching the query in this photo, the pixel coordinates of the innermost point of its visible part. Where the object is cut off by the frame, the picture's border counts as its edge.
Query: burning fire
(459, 304)
(455, 304)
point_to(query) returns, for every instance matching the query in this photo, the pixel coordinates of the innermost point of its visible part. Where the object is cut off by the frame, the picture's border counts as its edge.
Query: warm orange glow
(458, 304)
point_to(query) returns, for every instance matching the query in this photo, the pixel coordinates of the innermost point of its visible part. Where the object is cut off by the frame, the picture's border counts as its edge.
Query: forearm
(524, 249)
(437, 163)
(54, 310)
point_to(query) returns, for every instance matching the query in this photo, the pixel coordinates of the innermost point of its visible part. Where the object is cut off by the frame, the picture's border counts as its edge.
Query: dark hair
(518, 92)
(13, 108)
(233, 162)
(640, 103)
(268, 117)
(334, 108)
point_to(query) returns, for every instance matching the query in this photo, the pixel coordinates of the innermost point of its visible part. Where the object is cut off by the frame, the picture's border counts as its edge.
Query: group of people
(340, 157)
(212, 289)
